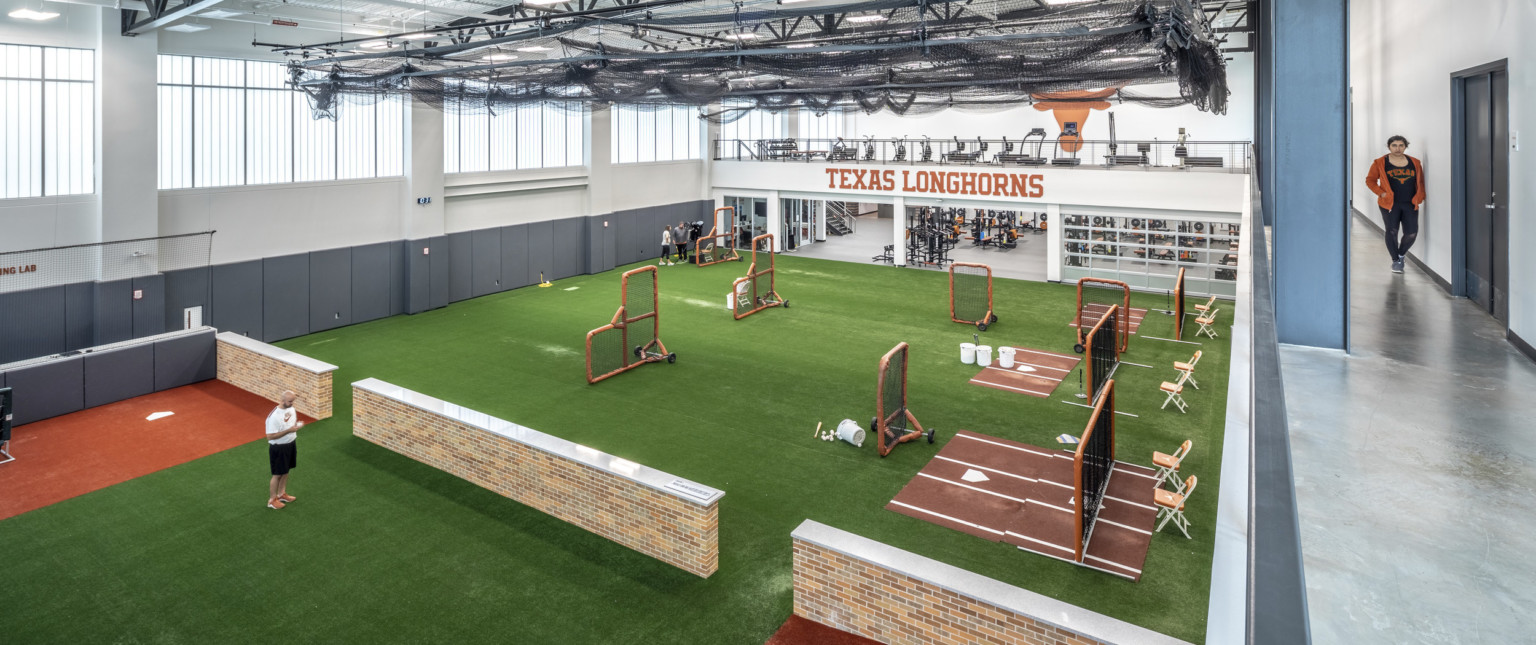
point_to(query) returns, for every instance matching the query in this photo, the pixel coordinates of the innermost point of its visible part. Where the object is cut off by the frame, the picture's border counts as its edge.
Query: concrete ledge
(666, 517)
(868, 588)
(265, 370)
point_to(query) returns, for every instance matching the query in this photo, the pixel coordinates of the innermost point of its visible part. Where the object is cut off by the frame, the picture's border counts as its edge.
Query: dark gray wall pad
(185, 360)
(118, 374)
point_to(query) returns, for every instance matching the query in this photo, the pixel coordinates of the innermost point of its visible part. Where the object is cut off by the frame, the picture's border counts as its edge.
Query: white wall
(280, 219)
(655, 184)
(1401, 57)
(1131, 121)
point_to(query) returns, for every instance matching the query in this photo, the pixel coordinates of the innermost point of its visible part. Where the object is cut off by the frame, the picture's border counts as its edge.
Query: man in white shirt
(282, 427)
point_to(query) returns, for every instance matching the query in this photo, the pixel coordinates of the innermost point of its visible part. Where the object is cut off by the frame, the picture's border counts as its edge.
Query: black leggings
(1408, 218)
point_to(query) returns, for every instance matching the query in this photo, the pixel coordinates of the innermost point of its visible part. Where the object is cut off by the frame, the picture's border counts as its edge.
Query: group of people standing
(675, 243)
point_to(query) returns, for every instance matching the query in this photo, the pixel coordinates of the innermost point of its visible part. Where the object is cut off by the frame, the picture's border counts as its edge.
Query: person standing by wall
(282, 448)
(680, 239)
(666, 245)
(1397, 180)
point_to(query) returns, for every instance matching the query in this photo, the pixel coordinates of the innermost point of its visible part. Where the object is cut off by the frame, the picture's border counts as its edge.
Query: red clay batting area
(74, 454)
(1096, 311)
(800, 631)
(1034, 372)
(1020, 494)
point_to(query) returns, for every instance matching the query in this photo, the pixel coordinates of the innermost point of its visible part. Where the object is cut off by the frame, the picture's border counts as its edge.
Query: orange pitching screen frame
(1178, 306)
(643, 317)
(1091, 466)
(1085, 322)
(756, 297)
(986, 318)
(893, 422)
(722, 245)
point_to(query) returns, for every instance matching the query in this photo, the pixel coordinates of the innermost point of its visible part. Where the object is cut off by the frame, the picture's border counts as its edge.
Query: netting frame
(760, 300)
(1102, 419)
(1178, 306)
(890, 426)
(731, 254)
(990, 316)
(653, 351)
(1100, 335)
(6, 403)
(1124, 330)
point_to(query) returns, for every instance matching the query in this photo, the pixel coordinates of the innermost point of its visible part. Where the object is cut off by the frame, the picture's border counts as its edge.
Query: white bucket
(968, 353)
(850, 431)
(1005, 357)
(730, 301)
(983, 355)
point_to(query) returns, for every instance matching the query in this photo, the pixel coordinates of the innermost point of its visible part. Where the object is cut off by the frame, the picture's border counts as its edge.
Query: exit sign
(284, 23)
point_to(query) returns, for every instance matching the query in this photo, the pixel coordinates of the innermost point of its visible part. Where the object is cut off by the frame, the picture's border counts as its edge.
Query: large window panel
(47, 121)
(530, 135)
(218, 140)
(314, 143)
(269, 136)
(526, 136)
(645, 134)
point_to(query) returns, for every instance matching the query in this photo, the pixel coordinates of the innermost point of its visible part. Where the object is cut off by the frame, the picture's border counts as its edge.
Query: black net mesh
(5, 414)
(639, 293)
(1103, 351)
(606, 352)
(717, 248)
(893, 397)
(1096, 456)
(906, 56)
(970, 292)
(1094, 300)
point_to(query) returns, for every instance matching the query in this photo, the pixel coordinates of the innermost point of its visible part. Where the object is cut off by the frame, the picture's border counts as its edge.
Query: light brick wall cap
(688, 491)
(276, 353)
(980, 588)
(145, 340)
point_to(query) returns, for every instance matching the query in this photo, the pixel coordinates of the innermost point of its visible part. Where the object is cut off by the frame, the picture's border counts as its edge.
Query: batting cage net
(1178, 306)
(1091, 466)
(1094, 297)
(756, 291)
(718, 247)
(893, 422)
(970, 294)
(5, 425)
(1103, 352)
(633, 337)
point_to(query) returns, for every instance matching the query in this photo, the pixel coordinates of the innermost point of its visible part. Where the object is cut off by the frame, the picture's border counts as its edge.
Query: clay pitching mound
(1035, 373)
(800, 631)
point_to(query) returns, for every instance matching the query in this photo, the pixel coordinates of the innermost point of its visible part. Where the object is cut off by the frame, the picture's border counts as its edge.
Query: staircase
(839, 220)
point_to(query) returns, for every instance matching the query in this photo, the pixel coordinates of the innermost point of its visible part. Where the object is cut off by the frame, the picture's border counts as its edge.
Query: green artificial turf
(381, 548)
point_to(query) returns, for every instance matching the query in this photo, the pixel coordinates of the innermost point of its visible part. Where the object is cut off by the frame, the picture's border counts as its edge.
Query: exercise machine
(1068, 129)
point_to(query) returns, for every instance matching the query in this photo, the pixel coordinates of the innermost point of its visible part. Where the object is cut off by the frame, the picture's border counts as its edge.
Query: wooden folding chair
(1207, 323)
(1168, 466)
(1207, 306)
(1188, 369)
(1170, 506)
(1175, 392)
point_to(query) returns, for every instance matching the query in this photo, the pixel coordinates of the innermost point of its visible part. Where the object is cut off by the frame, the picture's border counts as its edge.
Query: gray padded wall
(118, 374)
(237, 298)
(440, 259)
(330, 289)
(371, 281)
(183, 289)
(79, 315)
(285, 297)
(114, 311)
(540, 254)
(48, 390)
(514, 256)
(32, 323)
(460, 266)
(185, 360)
(569, 250)
(398, 275)
(485, 265)
(419, 271)
(149, 309)
(599, 243)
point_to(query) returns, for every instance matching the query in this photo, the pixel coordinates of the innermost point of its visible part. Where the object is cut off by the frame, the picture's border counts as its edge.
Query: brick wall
(870, 597)
(267, 376)
(676, 531)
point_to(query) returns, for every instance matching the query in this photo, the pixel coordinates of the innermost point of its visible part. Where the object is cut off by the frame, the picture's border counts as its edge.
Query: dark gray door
(1487, 178)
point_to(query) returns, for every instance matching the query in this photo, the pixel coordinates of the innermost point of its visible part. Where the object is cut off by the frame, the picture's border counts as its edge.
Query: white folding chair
(1168, 466)
(1170, 506)
(1189, 368)
(1207, 323)
(1175, 392)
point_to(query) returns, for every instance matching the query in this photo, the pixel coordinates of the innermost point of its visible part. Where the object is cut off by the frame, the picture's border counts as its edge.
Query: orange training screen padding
(633, 337)
(1094, 296)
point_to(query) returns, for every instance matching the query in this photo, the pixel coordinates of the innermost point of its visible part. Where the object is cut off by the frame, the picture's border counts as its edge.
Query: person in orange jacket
(1397, 180)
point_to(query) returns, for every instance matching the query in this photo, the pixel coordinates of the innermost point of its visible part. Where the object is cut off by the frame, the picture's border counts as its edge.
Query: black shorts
(284, 456)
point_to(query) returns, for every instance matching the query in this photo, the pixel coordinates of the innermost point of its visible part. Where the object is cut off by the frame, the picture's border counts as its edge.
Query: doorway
(1480, 132)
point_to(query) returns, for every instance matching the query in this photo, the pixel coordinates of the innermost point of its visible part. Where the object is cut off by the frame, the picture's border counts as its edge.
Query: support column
(423, 225)
(899, 235)
(599, 153)
(1307, 78)
(776, 220)
(1053, 247)
(127, 186)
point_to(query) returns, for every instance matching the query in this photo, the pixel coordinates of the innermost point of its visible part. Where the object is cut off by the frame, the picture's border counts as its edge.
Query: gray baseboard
(1520, 344)
(1444, 284)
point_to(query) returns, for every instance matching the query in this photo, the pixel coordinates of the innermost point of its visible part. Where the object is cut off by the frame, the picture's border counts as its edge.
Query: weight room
(766, 321)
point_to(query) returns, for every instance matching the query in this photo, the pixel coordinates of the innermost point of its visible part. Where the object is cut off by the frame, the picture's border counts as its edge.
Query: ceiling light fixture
(533, 48)
(375, 44)
(543, 3)
(187, 27)
(874, 17)
(799, 45)
(741, 36)
(218, 14)
(1062, 2)
(496, 58)
(1122, 59)
(416, 36)
(29, 14)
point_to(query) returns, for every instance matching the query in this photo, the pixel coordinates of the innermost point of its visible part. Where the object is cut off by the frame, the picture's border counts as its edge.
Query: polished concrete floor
(1025, 262)
(1415, 463)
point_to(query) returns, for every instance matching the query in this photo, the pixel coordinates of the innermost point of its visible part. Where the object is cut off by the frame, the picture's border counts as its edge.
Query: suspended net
(905, 56)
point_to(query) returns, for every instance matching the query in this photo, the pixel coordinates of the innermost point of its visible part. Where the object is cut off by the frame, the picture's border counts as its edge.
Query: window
(47, 121)
(666, 133)
(530, 135)
(756, 124)
(230, 122)
(822, 130)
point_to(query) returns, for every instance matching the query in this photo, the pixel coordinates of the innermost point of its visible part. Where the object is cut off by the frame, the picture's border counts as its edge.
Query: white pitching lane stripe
(1007, 387)
(979, 490)
(1054, 546)
(952, 519)
(1128, 528)
(990, 470)
(1004, 445)
(1038, 376)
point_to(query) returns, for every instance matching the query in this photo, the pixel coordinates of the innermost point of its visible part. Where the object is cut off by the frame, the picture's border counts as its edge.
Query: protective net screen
(1103, 351)
(893, 397)
(640, 306)
(607, 353)
(1093, 462)
(102, 262)
(970, 292)
(1178, 306)
(1094, 297)
(5, 414)
(716, 247)
(906, 56)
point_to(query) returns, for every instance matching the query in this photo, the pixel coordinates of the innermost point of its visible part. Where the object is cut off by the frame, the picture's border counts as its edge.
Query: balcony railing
(1204, 156)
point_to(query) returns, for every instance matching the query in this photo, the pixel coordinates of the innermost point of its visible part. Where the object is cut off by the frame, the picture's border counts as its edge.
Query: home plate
(158, 415)
(1025, 368)
(972, 475)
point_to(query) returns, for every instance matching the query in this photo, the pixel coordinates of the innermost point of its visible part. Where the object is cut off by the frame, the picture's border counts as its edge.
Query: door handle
(1488, 206)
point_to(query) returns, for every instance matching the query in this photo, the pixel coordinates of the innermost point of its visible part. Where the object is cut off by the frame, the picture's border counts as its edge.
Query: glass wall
(1147, 252)
(801, 222)
(47, 121)
(647, 134)
(533, 135)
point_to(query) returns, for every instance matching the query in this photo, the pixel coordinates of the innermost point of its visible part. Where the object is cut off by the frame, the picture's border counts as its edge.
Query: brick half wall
(871, 589)
(665, 517)
(266, 370)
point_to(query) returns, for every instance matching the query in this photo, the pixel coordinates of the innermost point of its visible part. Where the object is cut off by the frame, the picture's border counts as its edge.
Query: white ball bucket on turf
(1005, 357)
(850, 431)
(968, 353)
(983, 355)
